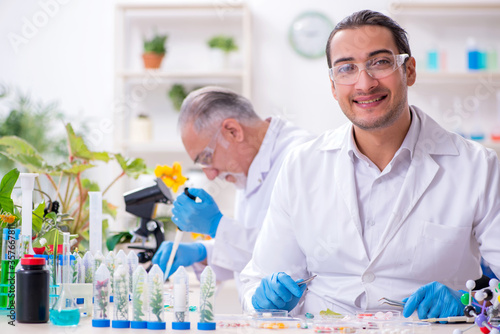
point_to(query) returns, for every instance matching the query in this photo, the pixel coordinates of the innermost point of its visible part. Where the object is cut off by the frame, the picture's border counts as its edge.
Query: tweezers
(307, 280)
(391, 302)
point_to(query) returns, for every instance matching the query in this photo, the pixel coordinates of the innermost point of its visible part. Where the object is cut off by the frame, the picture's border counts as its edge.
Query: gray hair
(209, 106)
(371, 18)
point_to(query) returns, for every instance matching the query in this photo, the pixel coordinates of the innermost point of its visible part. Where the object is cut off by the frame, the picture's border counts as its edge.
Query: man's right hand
(277, 291)
(187, 254)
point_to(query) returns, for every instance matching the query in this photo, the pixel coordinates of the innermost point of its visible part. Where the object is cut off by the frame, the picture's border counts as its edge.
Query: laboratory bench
(85, 327)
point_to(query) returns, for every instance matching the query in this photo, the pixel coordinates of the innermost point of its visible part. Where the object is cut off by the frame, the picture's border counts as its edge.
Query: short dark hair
(371, 18)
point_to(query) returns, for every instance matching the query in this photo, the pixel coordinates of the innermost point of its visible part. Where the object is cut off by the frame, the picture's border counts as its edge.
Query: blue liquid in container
(67, 317)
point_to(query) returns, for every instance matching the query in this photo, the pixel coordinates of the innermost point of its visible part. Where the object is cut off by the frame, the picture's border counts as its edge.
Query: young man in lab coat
(385, 206)
(223, 135)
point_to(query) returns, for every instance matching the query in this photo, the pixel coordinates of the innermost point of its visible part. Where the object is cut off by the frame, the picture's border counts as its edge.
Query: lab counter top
(85, 327)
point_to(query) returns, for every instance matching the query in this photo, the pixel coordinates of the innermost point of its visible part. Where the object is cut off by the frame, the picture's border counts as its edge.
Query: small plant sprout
(110, 264)
(181, 299)
(120, 318)
(80, 269)
(133, 263)
(88, 263)
(102, 282)
(98, 260)
(139, 298)
(156, 305)
(207, 297)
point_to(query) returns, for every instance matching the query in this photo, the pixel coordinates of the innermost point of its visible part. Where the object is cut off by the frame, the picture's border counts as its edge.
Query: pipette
(177, 240)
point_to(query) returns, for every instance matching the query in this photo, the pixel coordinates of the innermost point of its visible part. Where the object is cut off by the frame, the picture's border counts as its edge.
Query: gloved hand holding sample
(277, 291)
(187, 254)
(434, 300)
(192, 216)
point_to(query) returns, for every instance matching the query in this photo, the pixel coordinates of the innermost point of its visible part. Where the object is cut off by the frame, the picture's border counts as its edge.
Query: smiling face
(371, 104)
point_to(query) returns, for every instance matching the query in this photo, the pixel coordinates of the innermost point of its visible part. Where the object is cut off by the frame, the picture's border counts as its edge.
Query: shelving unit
(446, 26)
(187, 62)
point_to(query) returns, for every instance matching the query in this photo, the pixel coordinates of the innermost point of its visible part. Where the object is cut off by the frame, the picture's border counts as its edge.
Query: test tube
(88, 263)
(156, 305)
(95, 221)
(207, 298)
(98, 259)
(80, 269)
(100, 317)
(27, 186)
(110, 264)
(181, 300)
(139, 298)
(121, 286)
(133, 263)
(120, 258)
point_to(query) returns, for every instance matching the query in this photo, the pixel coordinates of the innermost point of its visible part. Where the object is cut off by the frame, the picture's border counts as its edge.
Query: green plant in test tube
(101, 293)
(88, 263)
(110, 264)
(155, 286)
(121, 293)
(133, 263)
(207, 295)
(139, 294)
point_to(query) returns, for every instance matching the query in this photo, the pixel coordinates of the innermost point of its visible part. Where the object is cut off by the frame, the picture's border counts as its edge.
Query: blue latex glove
(434, 300)
(191, 216)
(277, 291)
(187, 254)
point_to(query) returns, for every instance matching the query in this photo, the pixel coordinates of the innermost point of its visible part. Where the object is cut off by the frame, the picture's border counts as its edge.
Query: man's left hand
(434, 300)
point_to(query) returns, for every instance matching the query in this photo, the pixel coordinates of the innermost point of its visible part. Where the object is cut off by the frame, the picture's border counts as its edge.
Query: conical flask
(65, 312)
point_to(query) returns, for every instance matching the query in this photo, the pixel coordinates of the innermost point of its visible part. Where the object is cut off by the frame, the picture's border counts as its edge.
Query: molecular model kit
(484, 306)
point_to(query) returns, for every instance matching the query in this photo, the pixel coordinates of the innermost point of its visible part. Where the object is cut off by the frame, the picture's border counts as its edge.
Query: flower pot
(152, 60)
(39, 250)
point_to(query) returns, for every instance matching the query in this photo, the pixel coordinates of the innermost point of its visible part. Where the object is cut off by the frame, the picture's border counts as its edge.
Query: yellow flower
(9, 219)
(171, 176)
(199, 236)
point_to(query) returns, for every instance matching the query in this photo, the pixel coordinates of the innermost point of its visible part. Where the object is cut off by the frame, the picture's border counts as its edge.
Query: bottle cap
(156, 325)
(138, 324)
(100, 322)
(120, 324)
(181, 325)
(206, 326)
(32, 261)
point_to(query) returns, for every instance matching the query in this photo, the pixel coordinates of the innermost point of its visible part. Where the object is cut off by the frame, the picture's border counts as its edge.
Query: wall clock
(309, 33)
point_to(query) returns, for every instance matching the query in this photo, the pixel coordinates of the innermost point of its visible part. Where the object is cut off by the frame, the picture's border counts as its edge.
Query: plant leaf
(80, 150)
(37, 217)
(21, 151)
(132, 167)
(6, 186)
(113, 240)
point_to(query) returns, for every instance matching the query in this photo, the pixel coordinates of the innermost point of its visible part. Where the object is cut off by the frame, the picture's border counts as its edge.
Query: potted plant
(221, 47)
(154, 51)
(177, 94)
(69, 185)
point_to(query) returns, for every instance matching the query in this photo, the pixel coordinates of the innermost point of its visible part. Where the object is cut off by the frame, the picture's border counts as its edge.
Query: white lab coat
(446, 214)
(232, 247)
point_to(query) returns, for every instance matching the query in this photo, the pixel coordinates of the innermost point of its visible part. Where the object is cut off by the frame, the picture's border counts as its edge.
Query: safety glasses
(205, 158)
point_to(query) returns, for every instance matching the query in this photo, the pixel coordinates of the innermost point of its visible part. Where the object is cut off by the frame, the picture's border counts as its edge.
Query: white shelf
(141, 74)
(445, 8)
(154, 147)
(457, 77)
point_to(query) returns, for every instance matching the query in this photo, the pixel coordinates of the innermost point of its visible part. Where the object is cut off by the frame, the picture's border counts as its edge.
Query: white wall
(63, 50)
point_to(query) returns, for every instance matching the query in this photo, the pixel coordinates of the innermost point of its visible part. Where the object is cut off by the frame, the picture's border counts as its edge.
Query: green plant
(23, 119)
(67, 180)
(177, 94)
(207, 291)
(156, 302)
(139, 279)
(156, 44)
(225, 43)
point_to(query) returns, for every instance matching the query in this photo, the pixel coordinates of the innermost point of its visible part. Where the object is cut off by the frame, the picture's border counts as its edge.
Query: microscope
(142, 203)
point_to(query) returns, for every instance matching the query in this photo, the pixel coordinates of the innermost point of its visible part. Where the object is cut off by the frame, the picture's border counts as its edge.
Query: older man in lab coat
(390, 205)
(227, 139)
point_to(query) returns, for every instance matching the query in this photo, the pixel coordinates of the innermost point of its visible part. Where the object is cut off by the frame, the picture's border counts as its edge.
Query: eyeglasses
(378, 67)
(205, 158)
